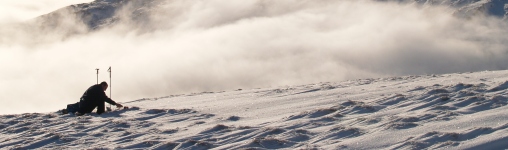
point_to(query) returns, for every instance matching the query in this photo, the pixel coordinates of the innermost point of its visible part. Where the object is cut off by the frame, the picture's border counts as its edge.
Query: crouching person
(94, 97)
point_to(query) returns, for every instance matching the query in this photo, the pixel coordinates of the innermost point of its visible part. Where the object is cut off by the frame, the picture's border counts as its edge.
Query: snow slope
(449, 111)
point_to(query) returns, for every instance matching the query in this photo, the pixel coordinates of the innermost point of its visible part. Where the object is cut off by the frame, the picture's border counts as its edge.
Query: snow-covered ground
(450, 111)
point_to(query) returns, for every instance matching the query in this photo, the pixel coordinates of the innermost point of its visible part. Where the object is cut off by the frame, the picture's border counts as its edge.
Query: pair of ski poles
(110, 84)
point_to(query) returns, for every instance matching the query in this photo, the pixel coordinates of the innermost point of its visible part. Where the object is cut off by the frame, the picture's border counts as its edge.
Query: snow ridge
(457, 111)
(103, 13)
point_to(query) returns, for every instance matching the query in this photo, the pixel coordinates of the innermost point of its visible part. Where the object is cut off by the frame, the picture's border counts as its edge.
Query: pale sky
(19, 10)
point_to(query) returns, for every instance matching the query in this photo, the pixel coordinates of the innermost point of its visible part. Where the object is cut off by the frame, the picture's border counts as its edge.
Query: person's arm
(109, 100)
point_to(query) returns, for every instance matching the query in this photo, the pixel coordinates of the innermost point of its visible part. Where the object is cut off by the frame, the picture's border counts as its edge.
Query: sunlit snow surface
(450, 111)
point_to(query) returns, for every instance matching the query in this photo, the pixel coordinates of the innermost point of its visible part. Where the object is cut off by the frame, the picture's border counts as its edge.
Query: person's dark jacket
(94, 97)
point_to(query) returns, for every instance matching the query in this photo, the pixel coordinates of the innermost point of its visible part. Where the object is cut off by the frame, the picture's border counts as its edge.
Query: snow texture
(449, 111)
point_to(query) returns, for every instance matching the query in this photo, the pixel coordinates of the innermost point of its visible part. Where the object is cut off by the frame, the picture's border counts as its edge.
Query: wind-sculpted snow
(451, 111)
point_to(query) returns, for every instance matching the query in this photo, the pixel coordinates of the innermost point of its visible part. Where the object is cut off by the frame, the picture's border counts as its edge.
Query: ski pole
(97, 75)
(110, 85)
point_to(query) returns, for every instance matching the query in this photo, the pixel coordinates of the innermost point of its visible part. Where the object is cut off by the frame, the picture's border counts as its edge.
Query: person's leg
(73, 108)
(100, 108)
(85, 107)
(64, 111)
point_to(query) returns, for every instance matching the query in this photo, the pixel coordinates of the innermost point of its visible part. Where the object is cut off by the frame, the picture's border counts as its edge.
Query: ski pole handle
(97, 75)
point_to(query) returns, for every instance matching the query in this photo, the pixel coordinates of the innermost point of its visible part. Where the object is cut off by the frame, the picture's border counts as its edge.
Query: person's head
(104, 85)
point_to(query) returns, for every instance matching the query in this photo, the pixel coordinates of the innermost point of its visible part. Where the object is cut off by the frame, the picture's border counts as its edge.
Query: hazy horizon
(223, 45)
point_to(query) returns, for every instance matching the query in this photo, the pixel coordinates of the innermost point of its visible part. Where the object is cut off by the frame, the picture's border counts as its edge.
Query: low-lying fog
(224, 45)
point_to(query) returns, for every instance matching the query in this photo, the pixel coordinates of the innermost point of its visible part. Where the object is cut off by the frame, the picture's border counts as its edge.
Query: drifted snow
(450, 111)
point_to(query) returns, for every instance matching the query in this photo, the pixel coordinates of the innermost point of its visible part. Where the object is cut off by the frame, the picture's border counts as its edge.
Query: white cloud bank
(214, 45)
